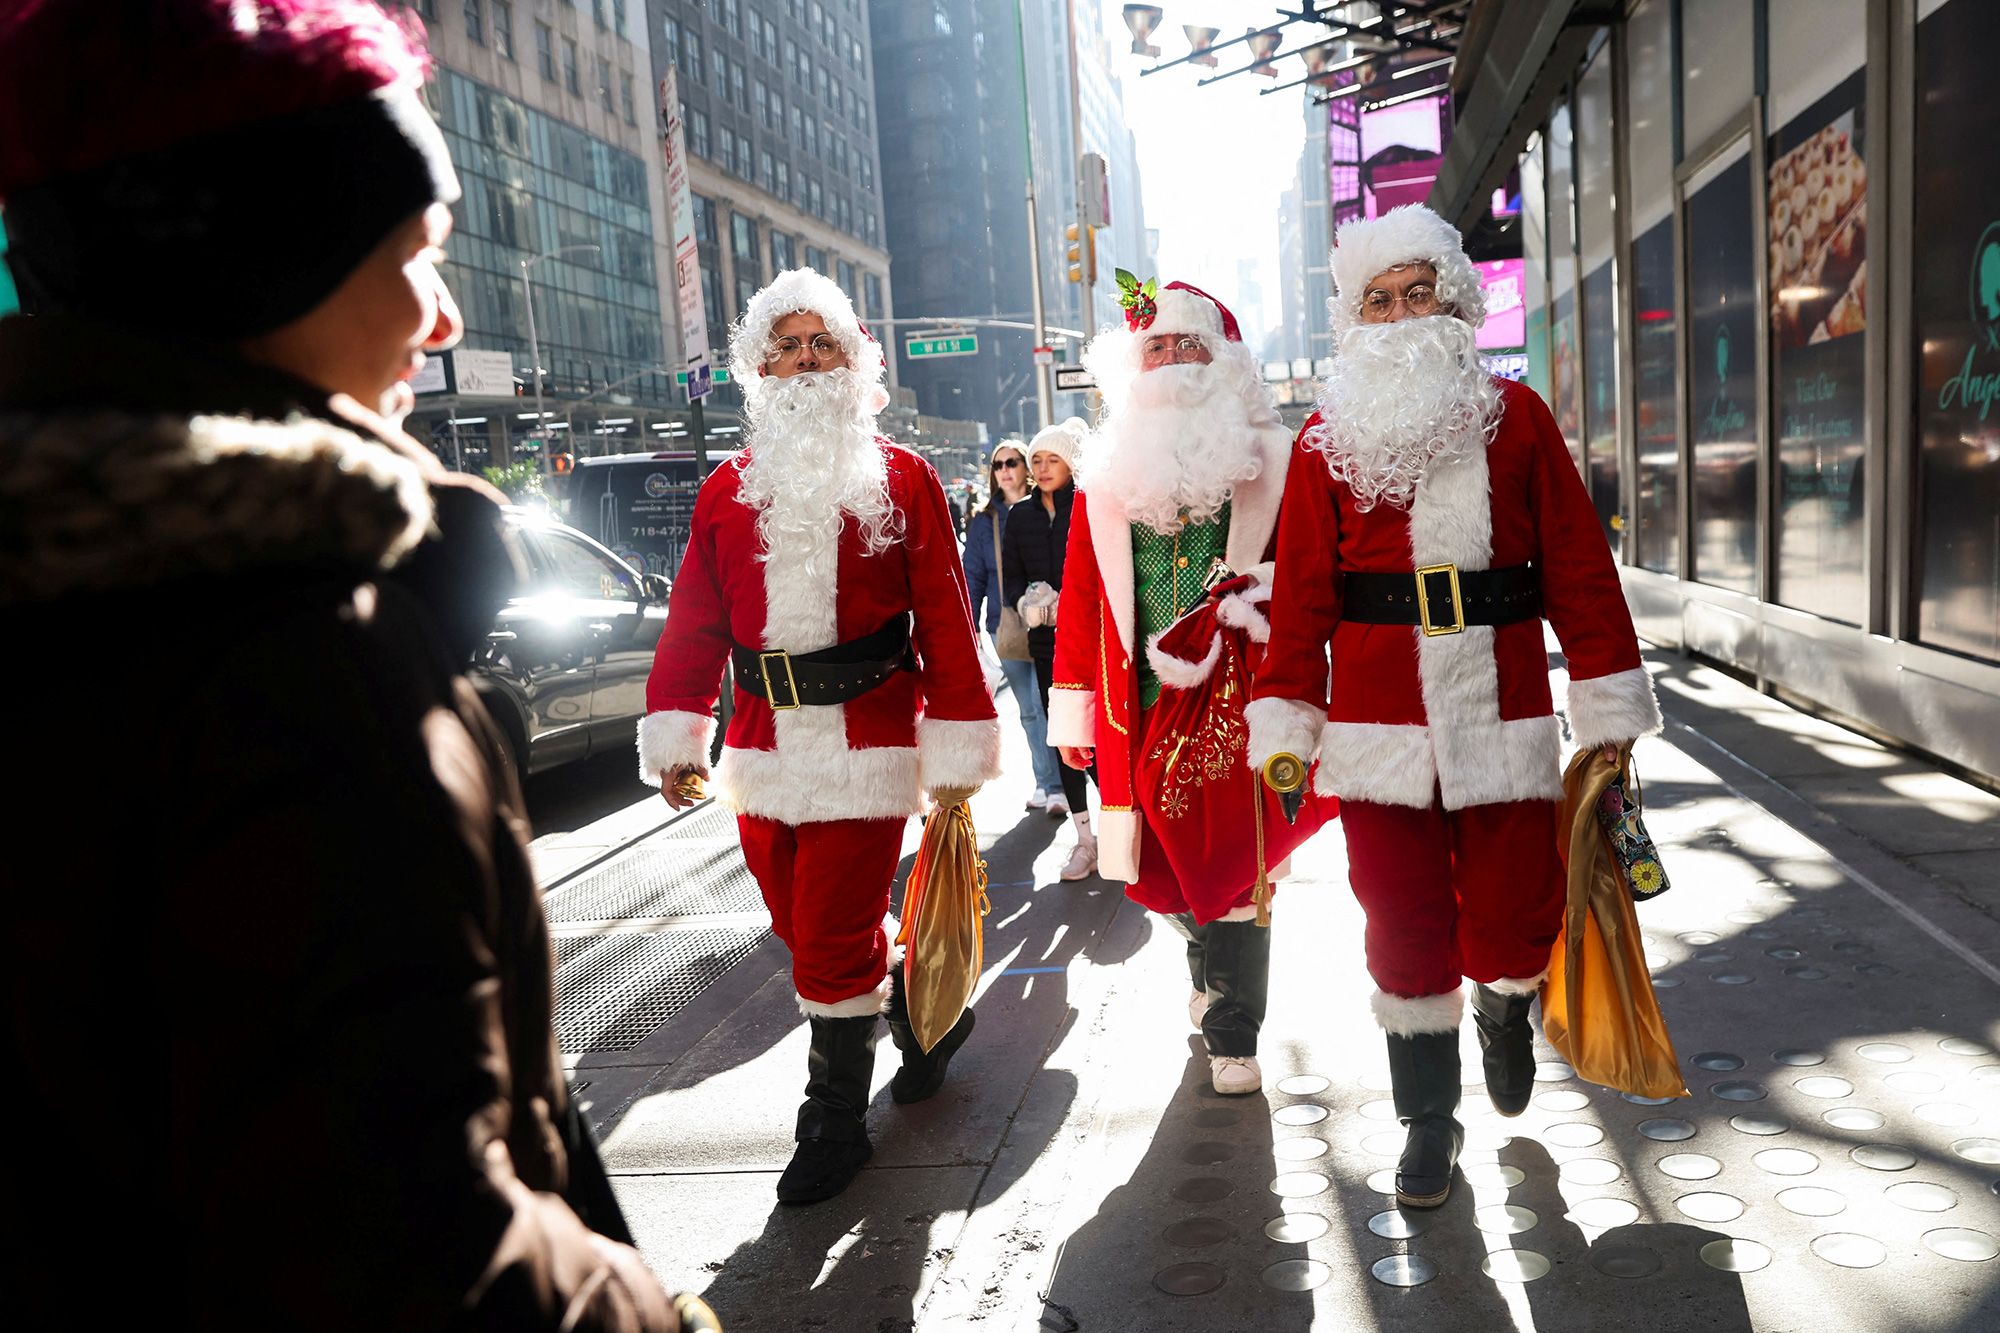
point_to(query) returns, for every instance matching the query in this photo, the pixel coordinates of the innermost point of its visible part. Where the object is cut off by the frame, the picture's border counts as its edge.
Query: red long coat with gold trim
(1465, 718)
(869, 758)
(1094, 697)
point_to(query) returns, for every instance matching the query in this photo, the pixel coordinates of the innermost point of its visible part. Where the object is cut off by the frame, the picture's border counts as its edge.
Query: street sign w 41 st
(961, 344)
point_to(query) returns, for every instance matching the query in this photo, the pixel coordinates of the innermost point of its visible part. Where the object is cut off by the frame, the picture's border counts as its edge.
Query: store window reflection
(1565, 351)
(1957, 322)
(1722, 372)
(1594, 185)
(1816, 217)
(1655, 390)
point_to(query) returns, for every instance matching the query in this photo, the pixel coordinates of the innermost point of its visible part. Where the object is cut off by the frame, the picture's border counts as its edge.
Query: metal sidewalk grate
(613, 990)
(615, 985)
(661, 876)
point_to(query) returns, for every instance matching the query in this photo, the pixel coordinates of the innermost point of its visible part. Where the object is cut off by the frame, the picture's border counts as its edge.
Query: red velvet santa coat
(1406, 719)
(1094, 697)
(869, 758)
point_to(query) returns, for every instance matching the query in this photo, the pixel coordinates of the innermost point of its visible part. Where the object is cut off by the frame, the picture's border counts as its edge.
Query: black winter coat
(1032, 546)
(280, 1003)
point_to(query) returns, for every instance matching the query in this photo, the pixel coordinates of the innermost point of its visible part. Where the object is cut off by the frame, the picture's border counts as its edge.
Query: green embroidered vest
(1169, 576)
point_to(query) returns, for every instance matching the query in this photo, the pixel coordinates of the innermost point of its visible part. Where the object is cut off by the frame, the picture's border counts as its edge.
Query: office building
(544, 106)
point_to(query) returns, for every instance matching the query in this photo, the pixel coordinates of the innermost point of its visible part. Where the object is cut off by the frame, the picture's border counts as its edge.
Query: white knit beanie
(1064, 440)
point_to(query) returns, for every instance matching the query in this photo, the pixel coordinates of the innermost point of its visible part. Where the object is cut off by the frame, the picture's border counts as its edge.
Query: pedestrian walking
(1034, 549)
(294, 922)
(823, 576)
(1432, 519)
(1181, 491)
(1008, 485)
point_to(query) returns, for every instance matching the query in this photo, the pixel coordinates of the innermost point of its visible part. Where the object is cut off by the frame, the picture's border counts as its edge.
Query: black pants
(1075, 792)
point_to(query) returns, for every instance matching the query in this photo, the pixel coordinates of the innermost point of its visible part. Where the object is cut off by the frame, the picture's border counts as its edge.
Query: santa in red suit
(1181, 488)
(1433, 519)
(822, 573)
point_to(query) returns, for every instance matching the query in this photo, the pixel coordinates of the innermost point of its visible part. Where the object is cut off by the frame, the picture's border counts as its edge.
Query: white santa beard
(814, 462)
(1400, 396)
(1184, 438)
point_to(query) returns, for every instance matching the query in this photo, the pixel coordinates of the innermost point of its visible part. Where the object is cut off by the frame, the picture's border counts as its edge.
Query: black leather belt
(829, 676)
(1441, 599)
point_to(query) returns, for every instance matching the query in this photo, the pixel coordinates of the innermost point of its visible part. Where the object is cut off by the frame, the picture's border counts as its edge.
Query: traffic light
(1081, 254)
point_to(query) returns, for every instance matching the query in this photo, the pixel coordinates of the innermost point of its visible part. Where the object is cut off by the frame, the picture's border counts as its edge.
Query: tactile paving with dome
(1842, 1135)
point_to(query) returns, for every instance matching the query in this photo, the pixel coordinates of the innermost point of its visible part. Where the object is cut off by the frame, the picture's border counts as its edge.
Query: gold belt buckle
(1457, 626)
(791, 681)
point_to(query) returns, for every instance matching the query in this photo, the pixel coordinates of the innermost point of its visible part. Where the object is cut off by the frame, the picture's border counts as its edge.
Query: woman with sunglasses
(1008, 484)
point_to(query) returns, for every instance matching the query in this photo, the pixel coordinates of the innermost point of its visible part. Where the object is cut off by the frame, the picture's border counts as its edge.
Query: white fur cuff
(957, 754)
(859, 1006)
(1240, 610)
(672, 740)
(1613, 709)
(1411, 1016)
(1072, 717)
(1177, 672)
(1519, 985)
(1282, 726)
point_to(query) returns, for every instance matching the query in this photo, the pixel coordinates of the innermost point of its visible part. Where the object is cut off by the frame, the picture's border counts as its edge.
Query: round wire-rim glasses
(824, 347)
(1421, 299)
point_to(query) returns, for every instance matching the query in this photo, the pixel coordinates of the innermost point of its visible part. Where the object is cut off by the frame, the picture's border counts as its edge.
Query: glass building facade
(535, 184)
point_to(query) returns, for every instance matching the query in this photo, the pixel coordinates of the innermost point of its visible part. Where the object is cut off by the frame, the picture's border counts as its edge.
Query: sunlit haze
(1214, 161)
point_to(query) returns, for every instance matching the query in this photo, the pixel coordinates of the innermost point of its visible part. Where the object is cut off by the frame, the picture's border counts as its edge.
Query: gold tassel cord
(1261, 894)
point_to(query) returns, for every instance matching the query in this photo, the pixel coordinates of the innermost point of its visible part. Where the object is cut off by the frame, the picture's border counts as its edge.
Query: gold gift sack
(942, 906)
(1598, 1006)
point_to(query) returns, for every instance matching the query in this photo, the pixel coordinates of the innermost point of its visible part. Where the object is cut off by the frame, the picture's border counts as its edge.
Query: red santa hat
(1178, 308)
(1366, 248)
(805, 291)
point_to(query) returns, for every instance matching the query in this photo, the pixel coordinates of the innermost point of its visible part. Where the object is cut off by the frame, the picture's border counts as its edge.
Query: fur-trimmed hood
(97, 502)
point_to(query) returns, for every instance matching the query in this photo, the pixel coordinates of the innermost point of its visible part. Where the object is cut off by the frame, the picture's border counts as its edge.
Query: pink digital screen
(1506, 324)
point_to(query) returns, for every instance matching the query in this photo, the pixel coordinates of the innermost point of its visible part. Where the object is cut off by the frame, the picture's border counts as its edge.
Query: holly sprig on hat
(1139, 299)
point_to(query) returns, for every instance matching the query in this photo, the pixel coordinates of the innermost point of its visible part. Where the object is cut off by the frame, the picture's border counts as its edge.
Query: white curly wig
(1365, 248)
(804, 291)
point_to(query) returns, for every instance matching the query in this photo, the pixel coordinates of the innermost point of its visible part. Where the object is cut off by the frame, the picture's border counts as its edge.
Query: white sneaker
(1039, 801)
(1235, 1075)
(1198, 1010)
(1057, 805)
(1082, 861)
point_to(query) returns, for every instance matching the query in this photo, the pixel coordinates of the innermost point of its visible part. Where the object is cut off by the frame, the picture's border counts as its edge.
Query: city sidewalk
(1826, 960)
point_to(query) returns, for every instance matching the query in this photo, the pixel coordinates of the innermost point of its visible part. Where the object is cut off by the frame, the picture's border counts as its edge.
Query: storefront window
(1649, 144)
(1722, 371)
(1595, 186)
(1816, 211)
(1565, 353)
(1957, 326)
(1718, 53)
(1535, 265)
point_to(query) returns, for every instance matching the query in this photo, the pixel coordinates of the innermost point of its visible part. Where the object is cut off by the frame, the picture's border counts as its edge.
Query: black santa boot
(922, 1073)
(833, 1139)
(1507, 1047)
(1424, 1074)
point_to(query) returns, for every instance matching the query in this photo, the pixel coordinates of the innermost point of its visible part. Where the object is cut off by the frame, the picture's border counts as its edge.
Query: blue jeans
(1034, 722)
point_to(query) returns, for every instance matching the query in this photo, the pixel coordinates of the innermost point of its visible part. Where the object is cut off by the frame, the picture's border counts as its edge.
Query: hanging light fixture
(1201, 39)
(1317, 59)
(1142, 19)
(1264, 45)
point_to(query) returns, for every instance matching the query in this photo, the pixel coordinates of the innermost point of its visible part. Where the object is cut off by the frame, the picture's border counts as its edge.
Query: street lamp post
(534, 343)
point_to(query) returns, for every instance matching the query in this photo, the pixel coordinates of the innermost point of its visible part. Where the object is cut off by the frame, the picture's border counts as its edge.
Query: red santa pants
(1449, 894)
(827, 885)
